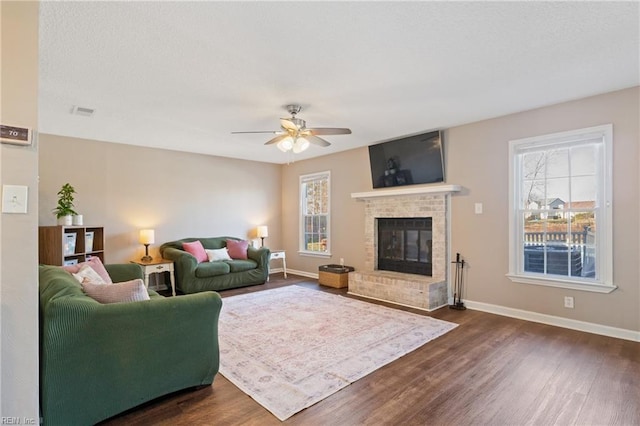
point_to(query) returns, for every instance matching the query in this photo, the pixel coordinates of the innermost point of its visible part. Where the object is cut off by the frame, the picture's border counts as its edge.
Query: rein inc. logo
(19, 421)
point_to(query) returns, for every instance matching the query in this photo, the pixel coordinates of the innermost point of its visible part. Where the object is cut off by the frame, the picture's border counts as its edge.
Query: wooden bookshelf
(60, 245)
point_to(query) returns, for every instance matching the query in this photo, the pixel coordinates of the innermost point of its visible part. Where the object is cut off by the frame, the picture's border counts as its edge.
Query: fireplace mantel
(407, 190)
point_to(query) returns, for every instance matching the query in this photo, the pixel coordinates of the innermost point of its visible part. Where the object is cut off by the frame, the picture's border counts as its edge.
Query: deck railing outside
(586, 237)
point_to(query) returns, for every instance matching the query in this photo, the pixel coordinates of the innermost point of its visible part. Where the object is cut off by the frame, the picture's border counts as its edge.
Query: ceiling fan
(295, 136)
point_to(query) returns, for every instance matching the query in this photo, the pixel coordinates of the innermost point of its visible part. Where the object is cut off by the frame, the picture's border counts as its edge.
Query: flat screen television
(409, 160)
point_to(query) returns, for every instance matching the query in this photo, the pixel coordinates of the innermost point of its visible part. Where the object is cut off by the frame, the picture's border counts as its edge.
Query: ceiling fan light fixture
(285, 144)
(301, 144)
(295, 137)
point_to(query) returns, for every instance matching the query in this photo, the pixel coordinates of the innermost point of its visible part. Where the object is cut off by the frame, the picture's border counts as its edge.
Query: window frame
(603, 283)
(304, 179)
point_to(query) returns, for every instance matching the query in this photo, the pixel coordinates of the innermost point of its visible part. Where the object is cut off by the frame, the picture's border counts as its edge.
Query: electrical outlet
(478, 208)
(341, 261)
(568, 302)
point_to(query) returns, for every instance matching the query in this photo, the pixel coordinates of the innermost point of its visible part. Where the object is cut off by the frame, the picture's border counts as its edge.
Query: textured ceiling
(184, 75)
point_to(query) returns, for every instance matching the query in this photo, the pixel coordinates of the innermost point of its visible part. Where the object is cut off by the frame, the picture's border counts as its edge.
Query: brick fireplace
(414, 290)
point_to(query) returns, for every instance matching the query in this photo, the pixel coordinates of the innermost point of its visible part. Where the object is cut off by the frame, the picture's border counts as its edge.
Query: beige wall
(349, 173)
(477, 158)
(18, 232)
(126, 188)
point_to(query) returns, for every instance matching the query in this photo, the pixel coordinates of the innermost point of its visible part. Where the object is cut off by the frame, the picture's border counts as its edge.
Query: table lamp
(262, 232)
(147, 236)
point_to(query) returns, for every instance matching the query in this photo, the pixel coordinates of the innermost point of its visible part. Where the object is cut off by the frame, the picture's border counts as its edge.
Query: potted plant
(64, 210)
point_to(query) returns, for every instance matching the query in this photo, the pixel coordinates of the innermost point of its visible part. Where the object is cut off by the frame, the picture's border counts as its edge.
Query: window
(560, 230)
(314, 213)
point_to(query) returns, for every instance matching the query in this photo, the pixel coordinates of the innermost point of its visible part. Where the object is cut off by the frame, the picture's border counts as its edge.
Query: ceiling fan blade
(288, 124)
(274, 132)
(316, 140)
(276, 139)
(328, 131)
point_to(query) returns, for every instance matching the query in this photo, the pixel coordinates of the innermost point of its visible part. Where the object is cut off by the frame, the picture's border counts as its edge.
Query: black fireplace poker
(457, 287)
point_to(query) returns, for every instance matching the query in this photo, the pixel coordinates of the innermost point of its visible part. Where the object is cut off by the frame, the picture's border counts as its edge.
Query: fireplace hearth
(405, 245)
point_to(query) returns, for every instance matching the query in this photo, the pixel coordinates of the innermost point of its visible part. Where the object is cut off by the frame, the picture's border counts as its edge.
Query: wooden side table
(157, 266)
(278, 254)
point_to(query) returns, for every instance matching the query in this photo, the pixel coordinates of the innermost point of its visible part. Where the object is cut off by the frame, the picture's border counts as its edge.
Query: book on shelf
(88, 241)
(69, 243)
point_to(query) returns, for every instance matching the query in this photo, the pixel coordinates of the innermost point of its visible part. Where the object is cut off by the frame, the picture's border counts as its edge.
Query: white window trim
(604, 233)
(313, 253)
(301, 243)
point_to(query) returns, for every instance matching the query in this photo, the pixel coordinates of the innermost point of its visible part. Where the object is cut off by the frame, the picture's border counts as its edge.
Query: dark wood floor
(491, 370)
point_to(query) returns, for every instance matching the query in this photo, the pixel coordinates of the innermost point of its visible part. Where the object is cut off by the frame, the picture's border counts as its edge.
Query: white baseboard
(302, 273)
(604, 330)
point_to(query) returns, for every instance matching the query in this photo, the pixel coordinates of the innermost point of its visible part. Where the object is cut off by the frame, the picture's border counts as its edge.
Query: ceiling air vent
(83, 111)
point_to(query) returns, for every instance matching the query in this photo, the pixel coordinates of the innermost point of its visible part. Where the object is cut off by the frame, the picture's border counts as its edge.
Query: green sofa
(98, 360)
(193, 277)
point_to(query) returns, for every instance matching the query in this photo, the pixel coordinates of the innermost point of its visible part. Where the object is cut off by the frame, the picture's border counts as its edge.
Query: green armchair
(98, 360)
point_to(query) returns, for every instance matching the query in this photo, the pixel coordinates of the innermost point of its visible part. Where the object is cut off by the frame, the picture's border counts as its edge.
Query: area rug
(291, 347)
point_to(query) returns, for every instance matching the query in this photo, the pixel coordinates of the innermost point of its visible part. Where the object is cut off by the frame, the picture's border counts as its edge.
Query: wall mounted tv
(410, 160)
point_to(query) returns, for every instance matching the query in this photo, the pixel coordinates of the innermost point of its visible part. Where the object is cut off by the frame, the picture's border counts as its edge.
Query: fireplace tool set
(457, 287)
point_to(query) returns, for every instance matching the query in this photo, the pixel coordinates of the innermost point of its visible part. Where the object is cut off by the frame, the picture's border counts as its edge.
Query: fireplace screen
(404, 245)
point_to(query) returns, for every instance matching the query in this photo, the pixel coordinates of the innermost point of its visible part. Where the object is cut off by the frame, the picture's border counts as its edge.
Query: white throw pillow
(87, 274)
(128, 291)
(216, 255)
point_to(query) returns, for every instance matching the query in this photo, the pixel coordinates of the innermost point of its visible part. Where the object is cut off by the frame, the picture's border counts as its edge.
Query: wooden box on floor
(335, 276)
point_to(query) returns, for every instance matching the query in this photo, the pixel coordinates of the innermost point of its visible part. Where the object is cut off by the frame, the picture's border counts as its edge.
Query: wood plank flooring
(491, 370)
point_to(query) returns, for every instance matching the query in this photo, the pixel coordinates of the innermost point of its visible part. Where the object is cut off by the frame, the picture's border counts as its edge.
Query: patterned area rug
(291, 347)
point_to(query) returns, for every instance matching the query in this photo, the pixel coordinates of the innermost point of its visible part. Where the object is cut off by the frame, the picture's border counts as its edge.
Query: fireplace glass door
(404, 245)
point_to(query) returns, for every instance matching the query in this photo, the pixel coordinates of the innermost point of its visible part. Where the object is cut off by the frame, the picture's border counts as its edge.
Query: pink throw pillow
(237, 249)
(96, 265)
(128, 291)
(197, 250)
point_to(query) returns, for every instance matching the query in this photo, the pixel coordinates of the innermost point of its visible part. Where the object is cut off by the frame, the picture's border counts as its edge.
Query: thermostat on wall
(15, 135)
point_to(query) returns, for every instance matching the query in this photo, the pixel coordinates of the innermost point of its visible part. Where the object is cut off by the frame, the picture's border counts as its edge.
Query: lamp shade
(285, 144)
(300, 145)
(263, 231)
(147, 236)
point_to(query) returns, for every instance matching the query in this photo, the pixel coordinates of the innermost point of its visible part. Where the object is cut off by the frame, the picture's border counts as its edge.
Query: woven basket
(333, 280)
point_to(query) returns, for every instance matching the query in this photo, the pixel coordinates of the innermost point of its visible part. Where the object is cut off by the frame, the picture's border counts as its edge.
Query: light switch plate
(478, 208)
(14, 198)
